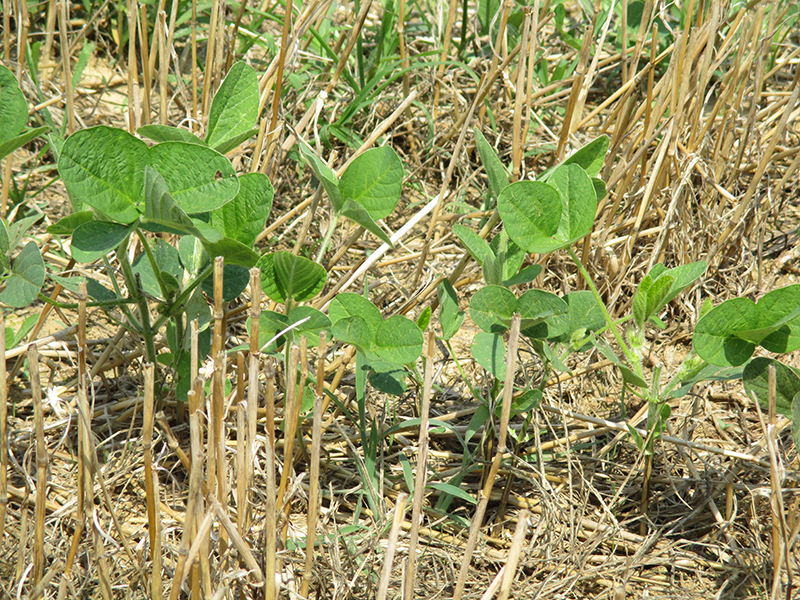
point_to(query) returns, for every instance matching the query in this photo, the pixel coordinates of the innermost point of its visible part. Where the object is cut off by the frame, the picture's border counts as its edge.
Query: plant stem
(327, 239)
(153, 264)
(134, 284)
(177, 305)
(74, 305)
(611, 324)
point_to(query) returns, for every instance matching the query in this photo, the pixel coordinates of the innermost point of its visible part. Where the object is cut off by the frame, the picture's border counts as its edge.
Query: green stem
(611, 324)
(74, 305)
(177, 305)
(134, 285)
(327, 239)
(153, 264)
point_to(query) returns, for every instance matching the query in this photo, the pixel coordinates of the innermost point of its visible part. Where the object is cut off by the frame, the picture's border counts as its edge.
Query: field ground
(702, 165)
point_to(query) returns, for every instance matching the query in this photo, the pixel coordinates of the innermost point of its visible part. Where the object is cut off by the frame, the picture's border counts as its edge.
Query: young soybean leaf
(424, 318)
(527, 275)
(8, 147)
(349, 305)
(489, 352)
(450, 318)
(285, 276)
(26, 279)
(492, 307)
(796, 420)
(315, 323)
(13, 107)
(166, 133)
(95, 239)
(590, 158)
(509, 255)
(234, 253)
(67, 225)
(356, 212)
(787, 383)
(103, 167)
(374, 180)
(325, 175)
(234, 281)
(543, 314)
(478, 248)
(198, 178)
(531, 213)
(234, 108)
(388, 378)
(495, 169)
(357, 332)
(398, 340)
(161, 214)
(243, 218)
(579, 202)
(526, 401)
(728, 334)
(167, 261)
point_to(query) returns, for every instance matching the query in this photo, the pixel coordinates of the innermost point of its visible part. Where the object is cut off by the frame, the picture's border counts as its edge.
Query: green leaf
(234, 108)
(508, 254)
(235, 141)
(796, 420)
(325, 175)
(477, 247)
(270, 323)
(160, 211)
(539, 311)
(349, 305)
(728, 334)
(450, 318)
(244, 217)
(166, 133)
(787, 383)
(285, 276)
(388, 378)
(356, 212)
(660, 286)
(495, 169)
(67, 225)
(193, 255)
(18, 229)
(457, 492)
(317, 323)
(168, 262)
(355, 331)
(526, 401)
(234, 281)
(95, 239)
(103, 167)
(591, 157)
(14, 338)
(531, 213)
(489, 351)
(579, 202)
(13, 107)
(198, 178)
(424, 318)
(492, 307)
(26, 279)
(8, 147)
(583, 313)
(398, 340)
(477, 421)
(234, 253)
(374, 180)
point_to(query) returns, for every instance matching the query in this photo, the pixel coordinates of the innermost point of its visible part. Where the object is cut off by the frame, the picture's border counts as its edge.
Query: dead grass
(703, 165)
